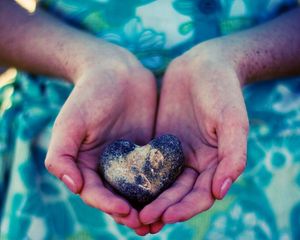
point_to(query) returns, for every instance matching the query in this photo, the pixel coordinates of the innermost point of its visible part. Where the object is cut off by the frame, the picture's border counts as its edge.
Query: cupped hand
(201, 102)
(114, 97)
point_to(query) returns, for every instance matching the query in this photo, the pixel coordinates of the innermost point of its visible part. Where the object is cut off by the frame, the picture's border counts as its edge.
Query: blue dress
(263, 204)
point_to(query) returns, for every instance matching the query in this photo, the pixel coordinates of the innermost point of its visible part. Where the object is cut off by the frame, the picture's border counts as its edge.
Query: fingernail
(225, 187)
(69, 183)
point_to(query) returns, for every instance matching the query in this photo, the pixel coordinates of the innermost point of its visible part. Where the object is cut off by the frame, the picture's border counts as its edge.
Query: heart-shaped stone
(138, 173)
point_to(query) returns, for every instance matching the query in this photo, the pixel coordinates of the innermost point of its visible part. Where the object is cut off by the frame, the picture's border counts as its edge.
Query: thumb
(232, 150)
(67, 135)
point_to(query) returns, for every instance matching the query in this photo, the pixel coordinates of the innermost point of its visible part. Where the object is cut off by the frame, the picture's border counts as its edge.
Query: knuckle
(179, 186)
(203, 190)
(163, 200)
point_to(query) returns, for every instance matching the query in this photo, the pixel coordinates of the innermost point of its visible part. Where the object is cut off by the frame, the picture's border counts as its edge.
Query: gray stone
(138, 173)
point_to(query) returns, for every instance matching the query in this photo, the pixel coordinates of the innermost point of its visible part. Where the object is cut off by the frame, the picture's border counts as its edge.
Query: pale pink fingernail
(225, 187)
(69, 183)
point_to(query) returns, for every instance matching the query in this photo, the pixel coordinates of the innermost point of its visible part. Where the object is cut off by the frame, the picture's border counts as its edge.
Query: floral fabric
(263, 204)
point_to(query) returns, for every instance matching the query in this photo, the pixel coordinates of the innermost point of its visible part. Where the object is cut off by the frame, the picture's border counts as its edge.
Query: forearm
(41, 44)
(268, 51)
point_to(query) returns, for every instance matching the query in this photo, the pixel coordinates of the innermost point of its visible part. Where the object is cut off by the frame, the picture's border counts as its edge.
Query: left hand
(201, 102)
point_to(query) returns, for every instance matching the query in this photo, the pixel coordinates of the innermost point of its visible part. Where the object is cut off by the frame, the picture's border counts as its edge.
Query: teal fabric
(263, 204)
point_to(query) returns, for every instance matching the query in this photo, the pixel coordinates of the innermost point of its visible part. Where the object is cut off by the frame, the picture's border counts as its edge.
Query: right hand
(114, 97)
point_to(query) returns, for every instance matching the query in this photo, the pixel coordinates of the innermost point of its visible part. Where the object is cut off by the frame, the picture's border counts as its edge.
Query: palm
(133, 122)
(205, 110)
(97, 112)
(201, 152)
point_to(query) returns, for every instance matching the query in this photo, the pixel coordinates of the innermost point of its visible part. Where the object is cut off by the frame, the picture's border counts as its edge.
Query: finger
(196, 201)
(142, 231)
(131, 220)
(117, 219)
(96, 195)
(152, 212)
(156, 227)
(232, 148)
(67, 135)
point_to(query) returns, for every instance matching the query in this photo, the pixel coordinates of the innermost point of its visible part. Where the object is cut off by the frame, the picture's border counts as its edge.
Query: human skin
(201, 102)
(113, 97)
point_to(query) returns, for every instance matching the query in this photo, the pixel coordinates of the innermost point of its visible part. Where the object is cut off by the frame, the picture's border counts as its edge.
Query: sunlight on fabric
(6, 104)
(7, 77)
(6, 91)
(29, 5)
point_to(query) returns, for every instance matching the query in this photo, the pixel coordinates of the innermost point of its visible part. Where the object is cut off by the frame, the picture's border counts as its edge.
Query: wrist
(231, 51)
(98, 55)
(79, 55)
(217, 54)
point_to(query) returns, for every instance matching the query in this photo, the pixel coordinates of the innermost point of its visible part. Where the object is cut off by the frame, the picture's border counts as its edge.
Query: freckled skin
(140, 174)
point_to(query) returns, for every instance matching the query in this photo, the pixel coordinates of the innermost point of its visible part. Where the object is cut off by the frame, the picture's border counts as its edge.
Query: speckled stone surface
(138, 173)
